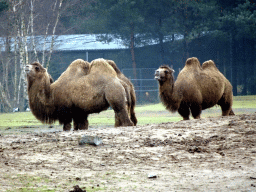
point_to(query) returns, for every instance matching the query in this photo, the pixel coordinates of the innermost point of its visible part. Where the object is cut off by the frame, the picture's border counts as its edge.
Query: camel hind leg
(121, 117)
(115, 96)
(226, 110)
(133, 117)
(226, 107)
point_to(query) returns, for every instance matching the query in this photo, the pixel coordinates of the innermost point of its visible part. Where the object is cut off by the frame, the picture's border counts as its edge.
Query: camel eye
(37, 68)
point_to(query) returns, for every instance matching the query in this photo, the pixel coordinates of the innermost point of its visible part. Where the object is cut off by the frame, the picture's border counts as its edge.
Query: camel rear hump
(113, 64)
(209, 64)
(101, 66)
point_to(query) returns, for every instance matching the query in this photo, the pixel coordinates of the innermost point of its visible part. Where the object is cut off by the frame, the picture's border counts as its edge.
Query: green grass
(146, 114)
(26, 183)
(244, 102)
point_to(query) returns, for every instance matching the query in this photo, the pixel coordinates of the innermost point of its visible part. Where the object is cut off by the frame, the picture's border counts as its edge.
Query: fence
(146, 87)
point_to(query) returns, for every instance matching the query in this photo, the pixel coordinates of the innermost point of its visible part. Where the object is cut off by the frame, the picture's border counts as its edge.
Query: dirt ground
(210, 154)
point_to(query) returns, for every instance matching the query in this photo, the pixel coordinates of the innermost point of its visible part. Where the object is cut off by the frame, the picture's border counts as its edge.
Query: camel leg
(65, 118)
(117, 121)
(80, 122)
(196, 110)
(184, 111)
(66, 121)
(122, 118)
(133, 118)
(67, 126)
(131, 114)
(121, 115)
(226, 109)
(116, 98)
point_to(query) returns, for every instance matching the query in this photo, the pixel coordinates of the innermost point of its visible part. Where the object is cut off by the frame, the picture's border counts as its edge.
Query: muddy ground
(210, 154)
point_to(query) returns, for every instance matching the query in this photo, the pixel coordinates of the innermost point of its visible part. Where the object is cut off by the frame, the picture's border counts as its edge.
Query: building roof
(68, 43)
(85, 42)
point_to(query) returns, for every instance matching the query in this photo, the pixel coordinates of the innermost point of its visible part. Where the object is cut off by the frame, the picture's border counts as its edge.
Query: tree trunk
(15, 84)
(252, 63)
(7, 63)
(44, 46)
(161, 43)
(23, 60)
(4, 100)
(53, 33)
(185, 48)
(133, 59)
(133, 53)
(245, 62)
(32, 28)
(233, 61)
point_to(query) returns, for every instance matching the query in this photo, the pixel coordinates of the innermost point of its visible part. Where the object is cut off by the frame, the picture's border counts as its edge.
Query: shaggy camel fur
(196, 88)
(129, 89)
(81, 90)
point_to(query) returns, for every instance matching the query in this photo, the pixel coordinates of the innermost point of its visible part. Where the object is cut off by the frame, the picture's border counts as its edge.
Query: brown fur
(129, 89)
(196, 88)
(82, 89)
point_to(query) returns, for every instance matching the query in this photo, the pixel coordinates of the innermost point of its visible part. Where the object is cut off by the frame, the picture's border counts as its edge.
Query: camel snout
(27, 68)
(157, 74)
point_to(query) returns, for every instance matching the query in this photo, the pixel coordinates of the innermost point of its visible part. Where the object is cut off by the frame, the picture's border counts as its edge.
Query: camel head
(37, 73)
(35, 69)
(164, 73)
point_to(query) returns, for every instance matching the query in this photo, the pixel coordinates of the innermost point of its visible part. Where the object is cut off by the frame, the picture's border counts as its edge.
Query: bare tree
(54, 30)
(25, 27)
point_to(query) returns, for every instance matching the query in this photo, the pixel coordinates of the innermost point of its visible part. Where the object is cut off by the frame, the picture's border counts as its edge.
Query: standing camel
(82, 89)
(196, 88)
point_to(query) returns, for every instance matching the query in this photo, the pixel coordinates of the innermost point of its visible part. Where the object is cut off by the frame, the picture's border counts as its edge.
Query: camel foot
(80, 126)
(185, 118)
(231, 112)
(67, 127)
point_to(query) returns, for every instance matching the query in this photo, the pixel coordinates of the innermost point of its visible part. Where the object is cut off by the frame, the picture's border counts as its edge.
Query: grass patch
(146, 114)
(26, 183)
(244, 102)
(151, 107)
(18, 119)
